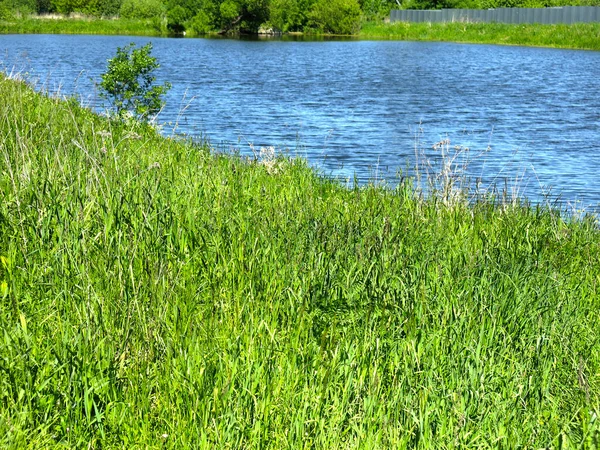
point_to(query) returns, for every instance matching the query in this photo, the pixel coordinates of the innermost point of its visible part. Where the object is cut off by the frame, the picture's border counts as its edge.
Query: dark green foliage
(227, 16)
(255, 13)
(202, 23)
(176, 18)
(11, 8)
(336, 16)
(289, 15)
(128, 83)
(6, 13)
(179, 12)
(142, 9)
(109, 8)
(88, 7)
(377, 9)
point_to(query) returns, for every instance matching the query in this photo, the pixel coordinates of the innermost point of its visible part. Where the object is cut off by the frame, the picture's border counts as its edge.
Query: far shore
(585, 36)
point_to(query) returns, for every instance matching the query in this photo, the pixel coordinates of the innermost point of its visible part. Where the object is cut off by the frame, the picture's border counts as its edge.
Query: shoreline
(574, 37)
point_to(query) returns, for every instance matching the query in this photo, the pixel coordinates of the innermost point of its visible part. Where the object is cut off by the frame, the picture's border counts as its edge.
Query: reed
(158, 294)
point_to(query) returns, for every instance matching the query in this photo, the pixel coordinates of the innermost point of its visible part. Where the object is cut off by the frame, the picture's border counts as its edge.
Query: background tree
(289, 15)
(336, 16)
(142, 9)
(17, 8)
(203, 22)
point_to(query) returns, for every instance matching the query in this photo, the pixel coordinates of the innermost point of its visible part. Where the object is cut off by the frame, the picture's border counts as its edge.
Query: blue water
(530, 117)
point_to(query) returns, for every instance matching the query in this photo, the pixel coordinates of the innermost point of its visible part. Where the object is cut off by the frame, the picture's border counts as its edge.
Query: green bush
(377, 9)
(336, 16)
(289, 15)
(5, 12)
(10, 9)
(142, 9)
(176, 18)
(229, 10)
(109, 8)
(127, 84)
(255, 13)
(201, 23)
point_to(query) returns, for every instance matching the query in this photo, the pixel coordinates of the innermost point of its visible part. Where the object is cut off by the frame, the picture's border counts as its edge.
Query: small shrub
(127, 84)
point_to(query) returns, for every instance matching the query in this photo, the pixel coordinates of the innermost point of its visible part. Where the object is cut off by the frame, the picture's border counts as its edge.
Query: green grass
(577, 36)
(156, 294)
(81, 26)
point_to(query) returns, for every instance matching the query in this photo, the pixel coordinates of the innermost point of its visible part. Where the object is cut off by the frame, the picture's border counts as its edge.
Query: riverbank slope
(155, 294)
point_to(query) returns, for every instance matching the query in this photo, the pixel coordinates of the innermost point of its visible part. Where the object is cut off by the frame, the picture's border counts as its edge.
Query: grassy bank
(578, 36)
(81, 26)
(155, 294)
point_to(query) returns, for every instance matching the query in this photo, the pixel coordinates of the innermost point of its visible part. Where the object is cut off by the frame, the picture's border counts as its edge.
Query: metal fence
(564, 14)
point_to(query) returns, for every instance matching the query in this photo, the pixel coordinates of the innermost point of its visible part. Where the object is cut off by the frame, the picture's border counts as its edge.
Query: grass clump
(156, 294)
(576, 36)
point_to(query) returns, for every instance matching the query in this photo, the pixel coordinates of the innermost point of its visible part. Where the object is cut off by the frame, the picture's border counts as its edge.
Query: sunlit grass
(156, 294)
(82, 26)
(577, 36)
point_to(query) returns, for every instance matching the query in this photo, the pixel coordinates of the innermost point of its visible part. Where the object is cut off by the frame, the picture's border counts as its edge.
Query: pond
(523, 118)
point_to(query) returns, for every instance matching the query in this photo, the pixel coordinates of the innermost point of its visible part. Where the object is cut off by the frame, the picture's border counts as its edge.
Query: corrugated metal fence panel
(565, 14)
(589, 15)
(519, 15)
(570, 14)
(555, 15)
(433, 16)
(478, 15)
(462, 15)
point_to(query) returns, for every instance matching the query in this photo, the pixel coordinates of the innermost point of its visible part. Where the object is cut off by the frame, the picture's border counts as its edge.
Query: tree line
(247, 16)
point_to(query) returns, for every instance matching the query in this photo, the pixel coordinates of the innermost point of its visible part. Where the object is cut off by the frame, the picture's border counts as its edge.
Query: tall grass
(42, 25)
(156, 294)
(576, 36)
